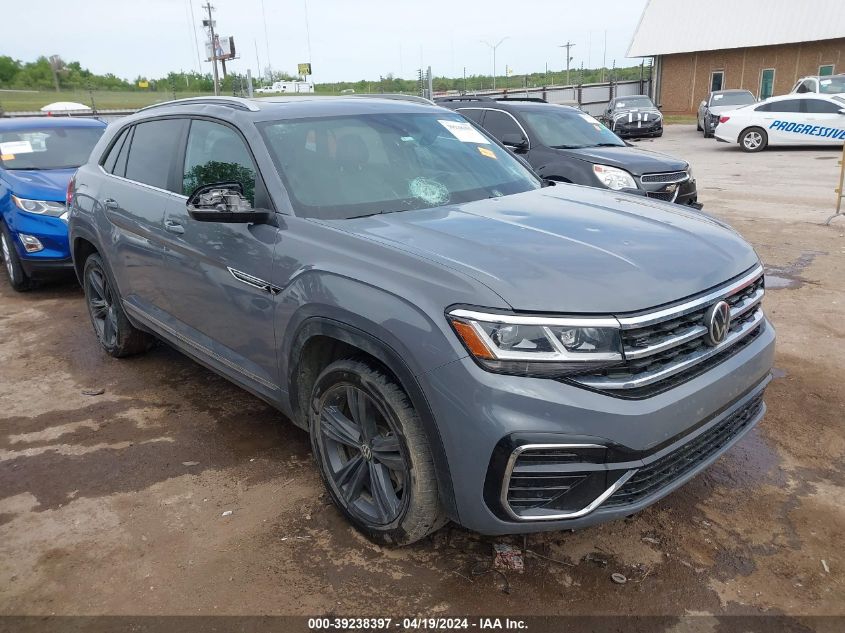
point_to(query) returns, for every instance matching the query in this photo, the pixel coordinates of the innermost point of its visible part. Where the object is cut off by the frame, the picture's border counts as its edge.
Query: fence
(591, 98)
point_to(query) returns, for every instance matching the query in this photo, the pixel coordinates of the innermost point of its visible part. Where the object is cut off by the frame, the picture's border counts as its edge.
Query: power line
(266, 40)
(193, 24)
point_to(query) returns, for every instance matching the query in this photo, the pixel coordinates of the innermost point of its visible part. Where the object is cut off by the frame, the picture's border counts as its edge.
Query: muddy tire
(754, 139)
(111, 326)
(15, 273)
(373, 454)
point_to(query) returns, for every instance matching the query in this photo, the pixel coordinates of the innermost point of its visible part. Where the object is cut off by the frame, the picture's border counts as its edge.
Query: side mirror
(516, 141)
(659, 106)
(701, 105)
(224, 202)
(841, 111)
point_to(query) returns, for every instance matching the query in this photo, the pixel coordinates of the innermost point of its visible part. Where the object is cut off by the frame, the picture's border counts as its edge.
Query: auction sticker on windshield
(16, 147)
(463, 131)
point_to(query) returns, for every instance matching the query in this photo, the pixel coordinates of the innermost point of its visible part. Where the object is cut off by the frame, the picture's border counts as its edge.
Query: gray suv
(460, 341)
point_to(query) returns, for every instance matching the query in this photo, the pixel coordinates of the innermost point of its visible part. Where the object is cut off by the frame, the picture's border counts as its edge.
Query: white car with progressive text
(793, 119)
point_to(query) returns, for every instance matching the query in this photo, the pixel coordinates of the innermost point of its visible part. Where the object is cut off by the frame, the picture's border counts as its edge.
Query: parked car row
(461, 338)
(564, 144)
(813, 113)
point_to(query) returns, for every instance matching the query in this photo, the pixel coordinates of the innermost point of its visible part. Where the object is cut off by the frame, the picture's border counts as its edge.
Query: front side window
(216, 153)
(499, 124)
(820, 106)
(47, 147)
(561, 128)
(355, 165)
(153, 146)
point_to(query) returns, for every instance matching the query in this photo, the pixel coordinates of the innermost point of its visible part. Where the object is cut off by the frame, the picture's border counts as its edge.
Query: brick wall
(685, 77)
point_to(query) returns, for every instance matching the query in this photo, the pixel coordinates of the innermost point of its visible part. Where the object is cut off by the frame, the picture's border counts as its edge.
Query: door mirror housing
(515, 141)
(841, 110)
(703, 104)
(224, 202)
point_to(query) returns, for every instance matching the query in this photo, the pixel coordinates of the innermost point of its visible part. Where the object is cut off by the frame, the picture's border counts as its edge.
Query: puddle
(788, 275)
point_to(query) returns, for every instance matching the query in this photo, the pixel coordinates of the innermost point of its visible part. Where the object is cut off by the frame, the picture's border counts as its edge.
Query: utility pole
(494, 47)
(207, 6)
(567, 46)
(604, 56)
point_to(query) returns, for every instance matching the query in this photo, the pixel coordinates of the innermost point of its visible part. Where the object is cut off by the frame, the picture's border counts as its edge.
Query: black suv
(564, 144)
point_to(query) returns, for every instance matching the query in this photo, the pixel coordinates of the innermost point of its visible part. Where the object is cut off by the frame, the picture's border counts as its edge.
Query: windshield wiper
(567, 146)
(607, 145)
(382, 212)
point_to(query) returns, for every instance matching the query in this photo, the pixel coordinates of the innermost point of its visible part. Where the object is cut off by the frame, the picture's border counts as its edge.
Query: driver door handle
(173, 227)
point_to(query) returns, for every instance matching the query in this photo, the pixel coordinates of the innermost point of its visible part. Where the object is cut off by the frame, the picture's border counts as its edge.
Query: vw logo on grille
(366, 452)
(717, 320)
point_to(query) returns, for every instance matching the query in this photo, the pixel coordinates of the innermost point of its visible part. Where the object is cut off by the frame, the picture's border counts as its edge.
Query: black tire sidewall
(401, 417)
(21, 281)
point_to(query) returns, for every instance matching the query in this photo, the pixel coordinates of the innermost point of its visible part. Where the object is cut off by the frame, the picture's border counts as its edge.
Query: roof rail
(238, 103)
(463, 98)
(396, 96)
(524, 99)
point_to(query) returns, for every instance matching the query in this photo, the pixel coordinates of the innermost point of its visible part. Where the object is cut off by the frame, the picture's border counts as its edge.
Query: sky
(349, 39)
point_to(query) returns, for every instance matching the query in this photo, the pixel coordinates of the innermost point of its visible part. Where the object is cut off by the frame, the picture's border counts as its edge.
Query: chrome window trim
(506, 479)
(650, 318)
(143, 184)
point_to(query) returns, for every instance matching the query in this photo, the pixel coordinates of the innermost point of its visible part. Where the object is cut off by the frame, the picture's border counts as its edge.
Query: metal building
(764, 46)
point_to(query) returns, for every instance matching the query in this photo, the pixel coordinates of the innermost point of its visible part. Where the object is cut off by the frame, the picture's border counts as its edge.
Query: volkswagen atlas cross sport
(460, 341)
(38, 156)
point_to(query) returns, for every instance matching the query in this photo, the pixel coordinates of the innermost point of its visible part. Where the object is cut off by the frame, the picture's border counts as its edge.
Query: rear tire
(111, 326)
(373, 454)
(754, 139)
(17, 276)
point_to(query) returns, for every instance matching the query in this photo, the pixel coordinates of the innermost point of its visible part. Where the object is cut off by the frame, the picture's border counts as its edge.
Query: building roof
(685, 26)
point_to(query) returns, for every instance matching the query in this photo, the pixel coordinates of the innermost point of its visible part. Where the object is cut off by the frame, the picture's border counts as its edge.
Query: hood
(570, 249)
(636, 161)
(39, 185)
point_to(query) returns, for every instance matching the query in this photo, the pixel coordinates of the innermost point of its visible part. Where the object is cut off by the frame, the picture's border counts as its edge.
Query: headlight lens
(614, 178)
(538, 346)
(40, 207)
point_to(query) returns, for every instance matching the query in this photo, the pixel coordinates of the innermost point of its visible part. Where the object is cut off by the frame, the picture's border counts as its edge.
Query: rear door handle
(110, 203)
(173, 227)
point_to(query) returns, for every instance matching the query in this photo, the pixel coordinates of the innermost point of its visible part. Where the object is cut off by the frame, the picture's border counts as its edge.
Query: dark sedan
(634, 116)
(564, 144)
(717, 102)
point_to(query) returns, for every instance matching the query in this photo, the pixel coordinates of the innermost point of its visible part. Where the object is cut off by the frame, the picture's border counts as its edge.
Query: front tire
(754, 139)
(373, 454)
(112, 327)
(18, 278)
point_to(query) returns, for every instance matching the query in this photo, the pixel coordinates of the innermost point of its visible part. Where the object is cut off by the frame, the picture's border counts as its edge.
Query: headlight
(41, 207)
(538, 346)
(614, 178)
(689, 173)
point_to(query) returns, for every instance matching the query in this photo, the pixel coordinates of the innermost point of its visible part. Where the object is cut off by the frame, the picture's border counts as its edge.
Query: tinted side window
(498, 124)
(111, 159)
(472, 115)
(789, 105)
(818, 106)
(217, 153)
(154, 144)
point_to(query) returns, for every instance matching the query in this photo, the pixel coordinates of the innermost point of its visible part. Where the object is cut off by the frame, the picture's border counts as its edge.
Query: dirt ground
(114, 503)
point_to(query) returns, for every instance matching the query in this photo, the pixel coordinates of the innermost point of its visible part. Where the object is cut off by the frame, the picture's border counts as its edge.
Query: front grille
(666, 196)
(671, 176)
(661, 472)
(669, 347)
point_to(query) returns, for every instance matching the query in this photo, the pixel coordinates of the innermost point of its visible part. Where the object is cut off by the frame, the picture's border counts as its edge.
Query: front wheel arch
(348, 339)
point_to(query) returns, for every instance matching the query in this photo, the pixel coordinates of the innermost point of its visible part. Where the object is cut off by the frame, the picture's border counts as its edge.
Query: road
(114, 503)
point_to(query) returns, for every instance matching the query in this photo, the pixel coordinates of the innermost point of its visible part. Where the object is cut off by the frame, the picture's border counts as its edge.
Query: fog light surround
(31, 244)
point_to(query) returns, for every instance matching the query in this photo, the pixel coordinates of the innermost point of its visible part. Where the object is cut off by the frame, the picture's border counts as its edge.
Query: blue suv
(38, 157)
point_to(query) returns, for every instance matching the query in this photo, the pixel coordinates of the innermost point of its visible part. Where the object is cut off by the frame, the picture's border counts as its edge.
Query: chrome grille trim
(629, 323)
(649, 377)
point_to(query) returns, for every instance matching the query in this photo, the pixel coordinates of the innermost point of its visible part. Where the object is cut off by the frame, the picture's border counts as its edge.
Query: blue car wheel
(18, 278)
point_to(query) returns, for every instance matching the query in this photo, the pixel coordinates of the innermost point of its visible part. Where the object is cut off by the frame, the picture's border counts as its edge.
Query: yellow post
(839, 191)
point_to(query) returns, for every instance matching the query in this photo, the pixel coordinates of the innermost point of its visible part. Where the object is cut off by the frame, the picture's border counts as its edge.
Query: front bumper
(683, 192)
(637, 129)
(482, 417)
